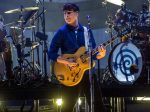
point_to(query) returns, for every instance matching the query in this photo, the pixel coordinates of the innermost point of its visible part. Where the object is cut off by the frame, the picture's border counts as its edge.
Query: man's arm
(54, 46)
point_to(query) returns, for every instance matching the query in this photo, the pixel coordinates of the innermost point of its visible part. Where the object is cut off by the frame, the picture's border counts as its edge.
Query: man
(69, 38)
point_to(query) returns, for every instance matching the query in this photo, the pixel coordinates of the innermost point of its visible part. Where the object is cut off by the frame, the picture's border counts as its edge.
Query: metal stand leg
(86, 106)
(148, 72)
(81, 105)
(77, 107)
(36, 105)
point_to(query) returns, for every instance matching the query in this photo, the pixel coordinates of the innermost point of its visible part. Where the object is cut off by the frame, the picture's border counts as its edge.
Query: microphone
(89, 19)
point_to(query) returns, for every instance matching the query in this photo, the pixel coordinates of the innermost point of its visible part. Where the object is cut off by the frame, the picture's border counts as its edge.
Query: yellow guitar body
(72, 76)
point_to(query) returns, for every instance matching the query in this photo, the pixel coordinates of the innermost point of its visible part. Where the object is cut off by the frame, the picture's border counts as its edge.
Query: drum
(126, 63)
(124, 17)
(143, 25)
(16, 32)
(121, 20)
(148, 19)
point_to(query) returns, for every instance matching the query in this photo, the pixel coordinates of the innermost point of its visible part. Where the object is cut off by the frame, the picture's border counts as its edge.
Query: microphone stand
(45, 45)
(91, 78)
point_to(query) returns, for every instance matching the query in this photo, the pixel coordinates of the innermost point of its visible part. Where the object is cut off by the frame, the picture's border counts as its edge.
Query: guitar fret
(104, 44)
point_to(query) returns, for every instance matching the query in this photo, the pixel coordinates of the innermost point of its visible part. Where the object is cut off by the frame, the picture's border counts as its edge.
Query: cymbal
(25, 27)
(21, 10)
(15, 27)
(30, 27)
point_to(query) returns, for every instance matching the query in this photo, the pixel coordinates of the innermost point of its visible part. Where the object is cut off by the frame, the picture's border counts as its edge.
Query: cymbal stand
(20, 47)
(45, 44)
(32, 52)
(108, 31)
(37, 24)
(20, 51)
(32, 40)
(44, 41)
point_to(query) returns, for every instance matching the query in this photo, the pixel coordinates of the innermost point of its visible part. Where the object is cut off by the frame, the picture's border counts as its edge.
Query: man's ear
(78, 14)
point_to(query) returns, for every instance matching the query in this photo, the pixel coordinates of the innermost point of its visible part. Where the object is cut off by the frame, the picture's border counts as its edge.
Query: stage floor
(45, 89)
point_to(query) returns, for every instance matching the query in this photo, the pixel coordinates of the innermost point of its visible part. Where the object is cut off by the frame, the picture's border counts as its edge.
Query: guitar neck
(104, 44)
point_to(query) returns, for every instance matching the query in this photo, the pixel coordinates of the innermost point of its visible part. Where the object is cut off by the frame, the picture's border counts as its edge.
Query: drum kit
(129, 61)
(14, 64)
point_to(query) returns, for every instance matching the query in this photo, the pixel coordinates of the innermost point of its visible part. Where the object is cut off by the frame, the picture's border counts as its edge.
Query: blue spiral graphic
(123, 61)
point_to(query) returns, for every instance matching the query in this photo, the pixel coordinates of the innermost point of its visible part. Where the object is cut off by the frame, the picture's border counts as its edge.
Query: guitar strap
(86, 37)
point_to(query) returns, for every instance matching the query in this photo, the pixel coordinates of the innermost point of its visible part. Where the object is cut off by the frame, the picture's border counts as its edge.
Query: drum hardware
(24, 68)
(123, 58)
(106, 77)
(15, 27)
(44, 38)
(29, 73)
(41, 36)
(21, 9)
(127, 59)
(126, 37)
(109, 30)
(143, 24)
(25, 71)
(34, 45)
(135, 62)
(125, 17)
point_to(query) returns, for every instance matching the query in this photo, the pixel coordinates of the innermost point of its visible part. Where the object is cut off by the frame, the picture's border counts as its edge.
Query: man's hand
(69, 62)
(102, 52)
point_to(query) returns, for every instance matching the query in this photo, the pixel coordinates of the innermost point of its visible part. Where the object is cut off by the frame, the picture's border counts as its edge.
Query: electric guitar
(72, 76)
